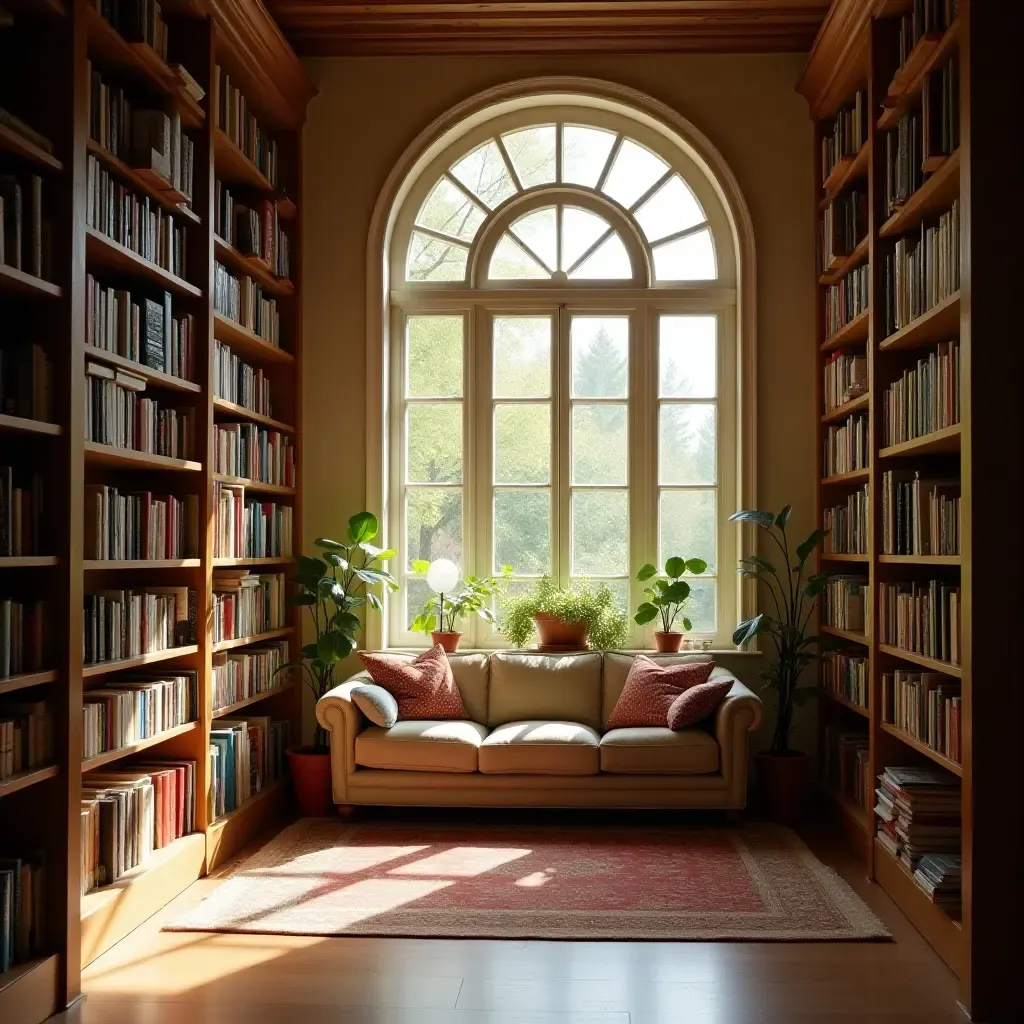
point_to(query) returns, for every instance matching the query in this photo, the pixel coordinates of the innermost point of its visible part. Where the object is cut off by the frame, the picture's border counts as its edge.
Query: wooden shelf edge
(155, 377)
(22, 424)
(232, 333)
(17, 280)
(28, 561)
(838, 556)
(847, 408)
(848, 704)
(225, 562)
(101, 564)
(153, 187)
(102, 668)
(919, 559)
(941, 321)
(937, 192)
(922, 748)
(846, 634)
(854, 477)
(230, 832)
(29, 777)
(845, 264)
(244, 641)
(29, 990)
(24, 680)
(854, 332)
(930, 51)
(12, 141)
(108, 756)
(943, 441)
(105, 453)
(223, 405)
(847, 169)
(253, 266)
(113, 252)
(230, 709)
(933, 664)
(255, 486)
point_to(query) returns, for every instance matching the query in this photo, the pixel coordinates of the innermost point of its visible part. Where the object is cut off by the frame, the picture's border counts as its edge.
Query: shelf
(107, 254)
(919, 559)
(19, 283)
(20, 424)
(276, 560)
(853, 333)
(230, 832)
(840, 557)
(253, 485)
(125, 458)
(935, 196)
(855, 477)
(940, 323)
(241, 339)
(932, 664)
(846, 170)
(244, 641)
(922, 748)
(239, 704)
(845, 264)
(279, 287)
(108, 756)
(24, 680)
(12, 141)
(102, 668)
(156, 377)
(930, 52)
(848, 704)
(846, 634)
(27, 561)
(233, 165)
(28, 991)
(841, 412)
(99, 564)
(859, 815)
(939, 442)
(22, 780)
(240, 412)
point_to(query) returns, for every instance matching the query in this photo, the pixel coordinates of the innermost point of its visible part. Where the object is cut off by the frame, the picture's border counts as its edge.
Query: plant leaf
(675, 567)
(374, 602)
(697, 566)
(676, 592)
(804, 550)
(687, 625)
(386, 554)
(646, 572)
(363, 526)
(420, 566)
(647, 612)
(749, 628)
(332, 558)
(782, 518)
(333, 545)
(766, 520)
(761, 563)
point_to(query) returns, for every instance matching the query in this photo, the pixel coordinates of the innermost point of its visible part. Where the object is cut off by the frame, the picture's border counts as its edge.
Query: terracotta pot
(782, 779)
(554, 632)
(667, 643)
(448, 641)
(311, 780)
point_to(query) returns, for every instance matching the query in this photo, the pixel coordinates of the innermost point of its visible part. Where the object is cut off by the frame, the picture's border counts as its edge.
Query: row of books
(846, 768)
(940, 113)
(237, 120)
(847, 299)
(236, 381)
(846, 378)
(22, 908)
(121, 624)
(26, 736)
(129, 710)
(938, 876)
(138, 224)
(253, 230)
(140, 328)
(844, 603)
(925, 17)
(922, 271)
(137, 21)
(22, 629)
(846, 446)
(24, 231)
(846, 134)
(238, 675)
(847, 525)
(247, 604)
(241, 299)
(919, 516)
(139, 524)
(926, 705)
(246, 450)
(246, 756)
(249, 528)
(26, 381)
(21, 508)
(925, 398)
(846, 675)
(843, 225)
(922, 618)
(129, 812)
(118, 413)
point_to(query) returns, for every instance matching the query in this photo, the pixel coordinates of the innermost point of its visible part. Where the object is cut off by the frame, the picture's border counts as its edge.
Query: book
(847, 525)
(235, 118)
(925, 398)
(846, 378)
(22, 636)
(26, 736)
(920, 516)
(239, 382)
(246, 604)
(847, 299)
(845, 764)
(844, 674)
(121, 624)
(925, 705)
(844, 603)
(26, 381)
(846, 446)
(139, 525)
(921, 617)
(21, 511)
(254, 453)
(845, 134)
(241, 299)
(248, 672)
(918, 813)
(249, 528)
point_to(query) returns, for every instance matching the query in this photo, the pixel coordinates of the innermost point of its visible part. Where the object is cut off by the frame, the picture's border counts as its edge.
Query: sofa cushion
(550, 687)
(540, 747)
(650, 690)
(421, 746)
(424, 687)
(376, 703)
(657, 750)
(616, 671)
(697, 703)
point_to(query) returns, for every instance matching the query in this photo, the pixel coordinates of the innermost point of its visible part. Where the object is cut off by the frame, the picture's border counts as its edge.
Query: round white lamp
(442, 576)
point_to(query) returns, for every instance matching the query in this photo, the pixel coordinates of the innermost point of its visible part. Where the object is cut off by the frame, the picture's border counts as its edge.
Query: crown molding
(839, 56)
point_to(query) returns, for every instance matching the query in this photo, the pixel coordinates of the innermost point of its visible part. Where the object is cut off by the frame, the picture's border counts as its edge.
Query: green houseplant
(333, 586)
(441, 611)
(792, 594)
(565, 617)
(666, 597)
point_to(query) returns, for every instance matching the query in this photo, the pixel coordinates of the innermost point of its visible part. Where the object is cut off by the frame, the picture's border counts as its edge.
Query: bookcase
(110, 326)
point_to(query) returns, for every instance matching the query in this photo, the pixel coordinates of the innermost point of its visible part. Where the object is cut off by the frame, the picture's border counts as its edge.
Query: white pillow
(376, 703)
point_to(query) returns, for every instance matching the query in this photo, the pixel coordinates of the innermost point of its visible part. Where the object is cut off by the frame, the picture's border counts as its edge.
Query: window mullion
(481, 425)
(561, 492)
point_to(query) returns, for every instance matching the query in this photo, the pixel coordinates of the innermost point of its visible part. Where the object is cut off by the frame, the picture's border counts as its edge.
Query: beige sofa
(537, 738)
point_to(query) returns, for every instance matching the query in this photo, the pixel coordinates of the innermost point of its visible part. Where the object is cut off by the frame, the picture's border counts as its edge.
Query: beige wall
(370, 109)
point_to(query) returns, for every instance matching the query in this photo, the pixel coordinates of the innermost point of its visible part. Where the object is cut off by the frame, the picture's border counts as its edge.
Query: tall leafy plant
(792, 593)
(668, 594)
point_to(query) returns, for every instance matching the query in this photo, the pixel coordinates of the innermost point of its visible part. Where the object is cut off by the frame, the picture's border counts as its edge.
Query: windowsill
(729, 652)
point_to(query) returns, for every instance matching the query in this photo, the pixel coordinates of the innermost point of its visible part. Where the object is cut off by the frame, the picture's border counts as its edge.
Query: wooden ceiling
(393, 27)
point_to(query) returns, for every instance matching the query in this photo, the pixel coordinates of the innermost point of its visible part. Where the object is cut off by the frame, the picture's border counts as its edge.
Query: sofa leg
(732, 818)
(346, 811)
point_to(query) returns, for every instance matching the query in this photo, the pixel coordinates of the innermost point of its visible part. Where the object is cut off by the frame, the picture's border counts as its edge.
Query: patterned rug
(321, 877)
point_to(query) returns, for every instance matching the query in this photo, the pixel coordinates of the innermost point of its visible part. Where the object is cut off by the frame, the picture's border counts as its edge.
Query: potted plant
(666, 597)
(782, 771)
(565, 617)
(442, 611)
(333, 586)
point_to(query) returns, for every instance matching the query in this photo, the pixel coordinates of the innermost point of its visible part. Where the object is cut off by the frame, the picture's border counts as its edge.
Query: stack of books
(249, 528)
(26, 736)
(245, 450)
(122, 624)
(21, 505)
(139, 525)
(245, 604)
(925, 705)
(137, 21)
(22, 908)
(918, 813)
(938, 875)
(238, 675)
(903, 175)
(245, 757)
(22, 629)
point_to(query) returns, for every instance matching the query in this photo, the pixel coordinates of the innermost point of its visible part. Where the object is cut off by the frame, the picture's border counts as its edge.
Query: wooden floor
(155, 977)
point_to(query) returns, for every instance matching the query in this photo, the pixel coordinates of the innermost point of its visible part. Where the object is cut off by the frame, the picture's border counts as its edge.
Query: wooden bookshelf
(22, 425)
(853, 333)
(109, 756)
(922, 748)
(14, 142)
(244, 641)
(239, 412)
(848, 704)
(847, 170)
(139, 564)
(256, 486)
(157, 378)
(931, 664)
(244, 342)
(18, 282)
(940, 323)
(841, 412)
(127, 458)
(846, 634)
(103, 253)
(165, 197)
(24, 680)
(257, 269)
(935, 196)
(27, 561)
(103, 668)
(238, 705)
(844, 264)
(22, 780)
(939, 442)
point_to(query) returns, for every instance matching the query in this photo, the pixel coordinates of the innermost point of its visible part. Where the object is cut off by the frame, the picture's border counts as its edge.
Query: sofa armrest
(340, 716)
(737, 716)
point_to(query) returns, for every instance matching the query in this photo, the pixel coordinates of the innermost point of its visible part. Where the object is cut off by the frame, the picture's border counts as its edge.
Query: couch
(537, 738)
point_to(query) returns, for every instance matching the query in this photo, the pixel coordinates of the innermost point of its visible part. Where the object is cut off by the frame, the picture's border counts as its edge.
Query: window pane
(580, 230)
(432, 260)
(538, 231)
(584, 154)
(687, 444)
(434, 357)
(635, 170)
(687, 526)
(434, 443)
(522, 444)
(433, 520)
(600, 356)
(448, 210)
(600, 532)
(484, 173)
(599, 441)
(672, 208)
(510, 262)
(522, 356)
(532, 152)
(687, 354)
(701, 606)
(522, 530)
(417, 593)
(609, 262)
(688, 259)
(620, 591)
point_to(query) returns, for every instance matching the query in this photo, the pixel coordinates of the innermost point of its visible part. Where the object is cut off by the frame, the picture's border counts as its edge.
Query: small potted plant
(666, 597)
(441, 612)
(565, 617)
(333, 586)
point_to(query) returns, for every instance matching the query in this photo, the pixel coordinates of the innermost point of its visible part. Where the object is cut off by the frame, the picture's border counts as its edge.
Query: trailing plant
(792, 599)
(668, 594)
(607, 627)
(442, 611)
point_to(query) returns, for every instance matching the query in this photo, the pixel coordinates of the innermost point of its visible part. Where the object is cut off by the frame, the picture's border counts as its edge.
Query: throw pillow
(423, 687)
(650, 690)
(376, 703)
(697, 703)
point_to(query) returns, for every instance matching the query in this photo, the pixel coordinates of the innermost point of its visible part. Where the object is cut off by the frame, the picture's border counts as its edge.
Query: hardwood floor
(155, 977)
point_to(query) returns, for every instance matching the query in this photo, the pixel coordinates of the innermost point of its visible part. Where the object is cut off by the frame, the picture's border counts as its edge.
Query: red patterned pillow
(651, 688)
(696, 703)
(423, 688)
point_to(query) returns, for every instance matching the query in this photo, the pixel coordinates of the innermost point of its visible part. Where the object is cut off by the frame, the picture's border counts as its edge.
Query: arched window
(563, 362)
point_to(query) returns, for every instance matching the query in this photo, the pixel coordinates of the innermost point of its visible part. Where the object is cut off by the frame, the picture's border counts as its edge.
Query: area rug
(321, 877)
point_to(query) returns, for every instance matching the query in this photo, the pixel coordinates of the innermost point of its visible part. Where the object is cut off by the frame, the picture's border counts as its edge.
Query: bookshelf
(45, 62)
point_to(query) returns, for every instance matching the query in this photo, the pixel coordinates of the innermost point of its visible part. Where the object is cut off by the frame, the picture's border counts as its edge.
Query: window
(563, 365)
